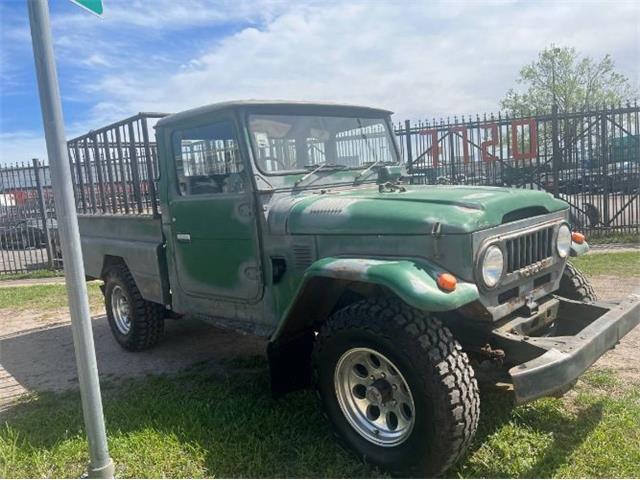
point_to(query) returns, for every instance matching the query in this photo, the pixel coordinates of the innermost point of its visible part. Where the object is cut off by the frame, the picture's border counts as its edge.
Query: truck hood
(366, 211)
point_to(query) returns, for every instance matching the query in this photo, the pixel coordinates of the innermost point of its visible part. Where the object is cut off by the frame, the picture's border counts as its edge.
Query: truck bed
(137, 239)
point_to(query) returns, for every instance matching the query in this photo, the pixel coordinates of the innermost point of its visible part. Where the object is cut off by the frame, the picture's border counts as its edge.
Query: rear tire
(136, 323)
(575, 286)
(440, 407)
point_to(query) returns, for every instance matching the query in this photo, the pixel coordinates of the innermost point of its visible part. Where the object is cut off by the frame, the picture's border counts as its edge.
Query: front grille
(529, 248)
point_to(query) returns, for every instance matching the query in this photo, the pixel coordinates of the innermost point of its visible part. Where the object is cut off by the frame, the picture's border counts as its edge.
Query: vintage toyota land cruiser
(295, 221)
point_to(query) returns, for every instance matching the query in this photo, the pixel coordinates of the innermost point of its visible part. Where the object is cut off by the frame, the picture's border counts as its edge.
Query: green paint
(94, 6)
(221, 256)
(459, 210)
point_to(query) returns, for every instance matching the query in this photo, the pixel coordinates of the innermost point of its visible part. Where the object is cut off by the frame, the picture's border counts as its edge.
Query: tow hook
(495, 355)
(531, 306)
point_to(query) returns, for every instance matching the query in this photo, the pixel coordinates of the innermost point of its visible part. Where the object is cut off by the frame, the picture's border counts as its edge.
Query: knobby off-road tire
(575, 286)
(144, 323)
(429, 360)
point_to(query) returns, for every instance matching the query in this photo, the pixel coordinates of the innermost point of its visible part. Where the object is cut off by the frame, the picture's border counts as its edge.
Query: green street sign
(94, 6)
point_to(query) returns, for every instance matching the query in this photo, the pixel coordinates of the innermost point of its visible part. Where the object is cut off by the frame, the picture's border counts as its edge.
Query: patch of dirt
(625, 357)
(37, 354)
(18, 322)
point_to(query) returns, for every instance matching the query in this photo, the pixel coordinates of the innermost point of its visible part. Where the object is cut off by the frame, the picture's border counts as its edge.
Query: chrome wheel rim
(374, 397)
(120, 310)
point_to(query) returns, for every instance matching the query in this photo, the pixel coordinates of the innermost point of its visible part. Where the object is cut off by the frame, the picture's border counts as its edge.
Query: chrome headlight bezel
(491, 275)
(563, 241)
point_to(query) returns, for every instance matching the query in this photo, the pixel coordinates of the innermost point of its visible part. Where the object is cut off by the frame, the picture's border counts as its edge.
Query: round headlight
(492, 266)
(563, 244)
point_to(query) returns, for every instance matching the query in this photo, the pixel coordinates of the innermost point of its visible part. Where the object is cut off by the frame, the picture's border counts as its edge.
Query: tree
(575, 83)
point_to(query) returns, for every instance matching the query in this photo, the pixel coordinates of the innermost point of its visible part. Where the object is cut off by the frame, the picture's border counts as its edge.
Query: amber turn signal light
(577, 237)
(447, 282)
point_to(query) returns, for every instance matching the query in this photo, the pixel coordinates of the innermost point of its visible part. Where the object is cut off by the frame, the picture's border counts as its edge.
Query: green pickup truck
(297, 222)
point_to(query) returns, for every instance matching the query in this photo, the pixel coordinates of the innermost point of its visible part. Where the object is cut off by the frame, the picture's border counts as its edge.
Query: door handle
(183, 237)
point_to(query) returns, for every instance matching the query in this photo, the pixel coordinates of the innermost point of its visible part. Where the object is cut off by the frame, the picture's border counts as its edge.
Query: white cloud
(174, 14)
(415, 58)
(420, 59)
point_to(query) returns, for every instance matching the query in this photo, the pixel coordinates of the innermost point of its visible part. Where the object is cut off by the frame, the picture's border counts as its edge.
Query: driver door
(215, 245)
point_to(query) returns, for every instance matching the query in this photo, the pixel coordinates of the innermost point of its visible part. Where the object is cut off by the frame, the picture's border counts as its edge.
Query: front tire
(136, 323)
(396, 387)
(574, 285)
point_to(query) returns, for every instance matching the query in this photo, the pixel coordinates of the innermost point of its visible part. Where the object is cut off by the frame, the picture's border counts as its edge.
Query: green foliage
(197, 424)
(614, 237)
(621, 264)
(35, 274)
(591, 434)
(43, 297)
(206, 424)
(576, 82)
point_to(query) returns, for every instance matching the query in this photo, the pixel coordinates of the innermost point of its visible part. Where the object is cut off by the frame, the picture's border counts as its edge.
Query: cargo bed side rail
(115, 168)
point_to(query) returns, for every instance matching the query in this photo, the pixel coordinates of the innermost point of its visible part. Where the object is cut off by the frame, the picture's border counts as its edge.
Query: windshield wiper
(366, 170)
(363, 173)
(320, 166)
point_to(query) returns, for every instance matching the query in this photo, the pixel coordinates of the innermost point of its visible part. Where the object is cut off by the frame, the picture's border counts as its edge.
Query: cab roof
(283, 107)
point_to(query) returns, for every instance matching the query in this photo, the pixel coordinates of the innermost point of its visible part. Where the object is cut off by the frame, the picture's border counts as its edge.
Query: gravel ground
(36, 351)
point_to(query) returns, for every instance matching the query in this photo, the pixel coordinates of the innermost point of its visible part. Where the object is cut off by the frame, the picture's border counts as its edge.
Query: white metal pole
(100, 465)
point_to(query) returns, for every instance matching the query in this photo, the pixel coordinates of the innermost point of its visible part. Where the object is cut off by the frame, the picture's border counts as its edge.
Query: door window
(207, 160)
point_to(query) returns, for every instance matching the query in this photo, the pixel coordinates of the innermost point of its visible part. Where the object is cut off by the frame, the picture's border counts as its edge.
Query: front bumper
(582, 333)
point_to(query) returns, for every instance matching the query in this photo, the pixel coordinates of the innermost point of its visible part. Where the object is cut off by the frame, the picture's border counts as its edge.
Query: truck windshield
(286, 144)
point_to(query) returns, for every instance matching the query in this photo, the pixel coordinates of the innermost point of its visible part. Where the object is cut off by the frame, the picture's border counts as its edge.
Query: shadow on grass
(530, 441)
(209, 421)
(213, 421)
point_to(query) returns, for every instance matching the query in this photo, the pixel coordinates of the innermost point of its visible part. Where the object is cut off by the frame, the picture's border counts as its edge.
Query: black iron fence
(590, 159)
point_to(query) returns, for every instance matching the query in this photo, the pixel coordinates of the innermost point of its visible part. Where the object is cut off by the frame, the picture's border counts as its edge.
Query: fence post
(409, 159)
(42, 207)
(555, 147)
(605, 166)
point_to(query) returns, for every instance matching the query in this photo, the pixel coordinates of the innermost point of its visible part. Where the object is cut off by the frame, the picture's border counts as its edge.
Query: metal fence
(115, 169)
(28, 228)
(590, 159)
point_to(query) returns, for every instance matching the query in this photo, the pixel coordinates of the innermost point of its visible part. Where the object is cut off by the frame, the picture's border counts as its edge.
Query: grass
(622, 264)
(617, 237)
(35, 274)
(201, 424)
(43, 297)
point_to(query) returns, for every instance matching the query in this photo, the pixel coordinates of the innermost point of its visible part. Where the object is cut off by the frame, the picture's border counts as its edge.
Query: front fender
(414, 281)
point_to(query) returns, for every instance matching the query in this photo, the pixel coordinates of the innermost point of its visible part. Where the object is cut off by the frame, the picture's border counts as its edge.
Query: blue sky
(419, 59)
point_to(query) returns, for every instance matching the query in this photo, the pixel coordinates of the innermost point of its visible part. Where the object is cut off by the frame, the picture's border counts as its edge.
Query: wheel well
(111, 261)
(290, 354)
(321, 297)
